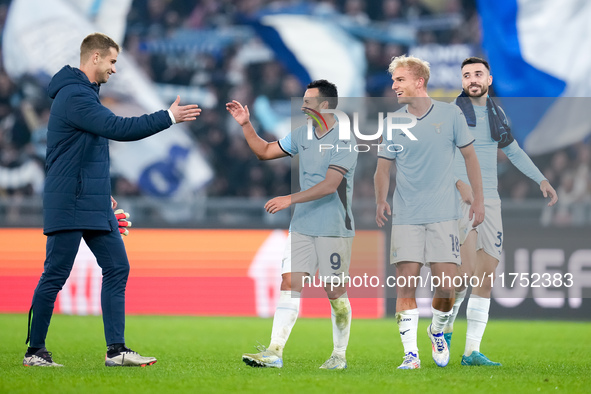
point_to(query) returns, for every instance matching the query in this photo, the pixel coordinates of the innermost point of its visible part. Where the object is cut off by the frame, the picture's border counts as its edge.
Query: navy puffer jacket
(77, 193)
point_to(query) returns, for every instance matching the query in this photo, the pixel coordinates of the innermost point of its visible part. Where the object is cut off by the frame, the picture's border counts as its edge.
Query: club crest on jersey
(437, 127)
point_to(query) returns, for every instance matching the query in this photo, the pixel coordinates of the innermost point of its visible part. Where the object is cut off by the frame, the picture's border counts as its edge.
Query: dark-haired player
(482, 246)
(322, 228)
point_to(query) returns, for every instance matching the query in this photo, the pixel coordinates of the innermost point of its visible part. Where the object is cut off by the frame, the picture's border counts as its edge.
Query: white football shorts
(425, 243)
(490, 231)
(329, 256)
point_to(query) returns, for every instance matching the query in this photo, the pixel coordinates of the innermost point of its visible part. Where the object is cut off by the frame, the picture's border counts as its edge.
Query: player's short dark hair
(327, 90)
(97, 42)
(475, 60)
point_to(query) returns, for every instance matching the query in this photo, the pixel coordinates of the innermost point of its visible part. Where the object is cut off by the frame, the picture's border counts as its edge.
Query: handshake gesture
(184, 113)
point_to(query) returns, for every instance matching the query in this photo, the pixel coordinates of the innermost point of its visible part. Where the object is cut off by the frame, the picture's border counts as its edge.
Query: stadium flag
(109, 16)
(536, 52)
(40, 36)
(313, 48)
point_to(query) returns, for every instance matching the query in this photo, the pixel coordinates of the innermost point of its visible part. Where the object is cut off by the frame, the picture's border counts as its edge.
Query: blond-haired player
(425, 208)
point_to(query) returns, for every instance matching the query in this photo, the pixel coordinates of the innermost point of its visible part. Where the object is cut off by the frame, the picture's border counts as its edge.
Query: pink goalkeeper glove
(124, 224)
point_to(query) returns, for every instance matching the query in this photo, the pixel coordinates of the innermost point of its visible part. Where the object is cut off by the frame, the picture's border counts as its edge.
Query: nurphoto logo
(394, 121)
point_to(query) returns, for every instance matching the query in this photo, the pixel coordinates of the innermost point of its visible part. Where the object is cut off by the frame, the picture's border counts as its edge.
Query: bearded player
(482, 245)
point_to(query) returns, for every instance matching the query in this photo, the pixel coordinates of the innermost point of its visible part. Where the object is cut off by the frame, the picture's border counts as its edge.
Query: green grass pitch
(203, 354)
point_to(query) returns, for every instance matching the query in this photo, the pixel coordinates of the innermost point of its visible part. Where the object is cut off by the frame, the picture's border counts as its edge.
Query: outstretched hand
(241, 114)
(184, 113)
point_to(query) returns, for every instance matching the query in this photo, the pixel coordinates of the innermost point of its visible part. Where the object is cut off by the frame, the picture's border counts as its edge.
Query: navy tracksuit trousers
(61, 250)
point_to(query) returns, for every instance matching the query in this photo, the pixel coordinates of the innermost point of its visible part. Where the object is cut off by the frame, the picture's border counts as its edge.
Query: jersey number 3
(500, 237)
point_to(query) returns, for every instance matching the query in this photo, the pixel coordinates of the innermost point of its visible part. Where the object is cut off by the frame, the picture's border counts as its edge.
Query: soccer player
(482, 245)
(322, 227)
(77, 202)
(425, 208)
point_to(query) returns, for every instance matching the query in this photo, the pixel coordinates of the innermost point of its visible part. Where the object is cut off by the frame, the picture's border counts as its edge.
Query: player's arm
(86, 113)
(262, 149)
(329, 185)
(381, 180)
(465, 192)
(521, 160)
(475, 178)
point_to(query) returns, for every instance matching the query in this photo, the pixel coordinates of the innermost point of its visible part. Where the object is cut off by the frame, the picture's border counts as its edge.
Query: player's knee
(463, 286)
(123, 269)
(486, 285)
(285, 282)
(406, 292)
(466, 272)
(119, 271)
(334, 292)
(445, 291)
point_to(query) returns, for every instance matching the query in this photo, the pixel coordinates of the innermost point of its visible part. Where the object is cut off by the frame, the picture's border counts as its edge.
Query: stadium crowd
(226, 71)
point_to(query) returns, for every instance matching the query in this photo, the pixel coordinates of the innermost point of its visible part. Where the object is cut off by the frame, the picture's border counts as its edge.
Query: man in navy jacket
(77, 200)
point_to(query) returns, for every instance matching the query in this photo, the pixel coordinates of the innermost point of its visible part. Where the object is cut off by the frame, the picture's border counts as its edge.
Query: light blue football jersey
(486, 151)
(425, 183)
(329, 216)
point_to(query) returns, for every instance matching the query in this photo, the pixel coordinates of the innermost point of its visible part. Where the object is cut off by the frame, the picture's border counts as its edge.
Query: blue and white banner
(109, 16)
(540, 49)
(445, 62)
(41, 36)
(313, 48)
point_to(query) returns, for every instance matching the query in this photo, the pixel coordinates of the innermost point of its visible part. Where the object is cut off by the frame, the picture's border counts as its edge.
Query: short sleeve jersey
(425, 187)
(331, 215)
